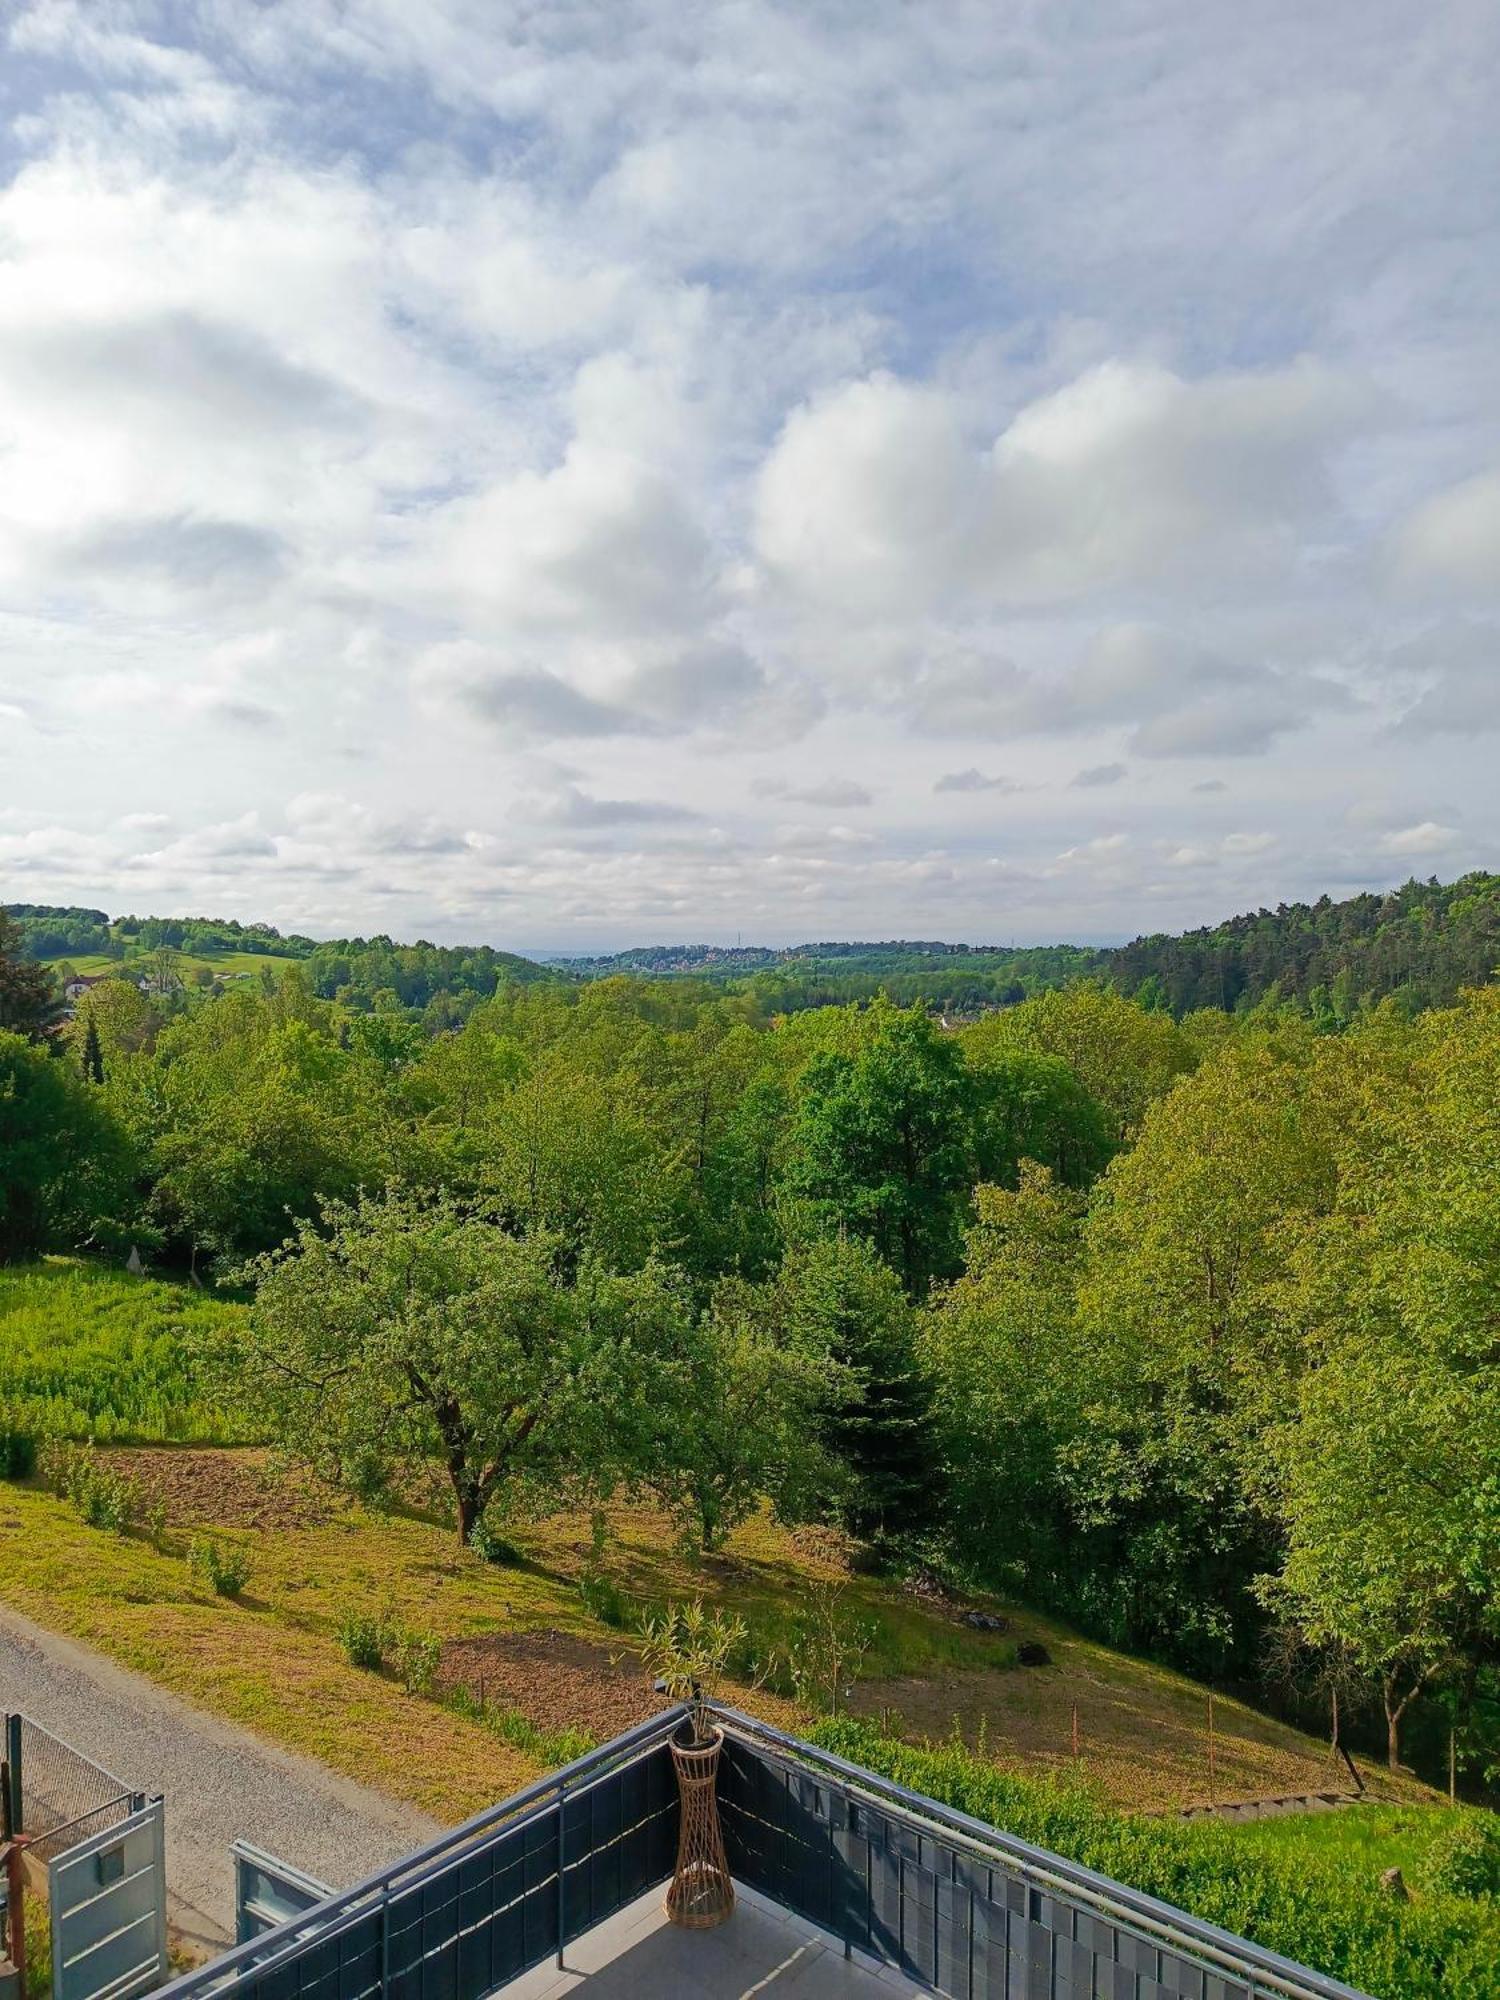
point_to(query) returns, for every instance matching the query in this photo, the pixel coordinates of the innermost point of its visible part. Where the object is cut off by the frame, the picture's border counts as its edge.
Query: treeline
(1418, 945)
(60, 931)
(957, 980)
(1186, 1329)
(364, 974)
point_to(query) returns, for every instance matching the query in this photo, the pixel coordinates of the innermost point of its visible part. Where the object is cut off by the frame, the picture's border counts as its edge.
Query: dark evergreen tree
(28, 994)
(837, 1294)
(91, 1059)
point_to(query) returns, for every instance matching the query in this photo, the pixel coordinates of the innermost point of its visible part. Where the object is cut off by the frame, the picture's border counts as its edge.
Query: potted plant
(686, 1650)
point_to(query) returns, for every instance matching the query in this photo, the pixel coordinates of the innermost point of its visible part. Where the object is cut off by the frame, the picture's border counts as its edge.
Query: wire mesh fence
(65, 1797)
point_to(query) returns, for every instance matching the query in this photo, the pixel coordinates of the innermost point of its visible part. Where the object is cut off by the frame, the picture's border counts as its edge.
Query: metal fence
(476, 1908)
(62, 1796)
(960, 1908)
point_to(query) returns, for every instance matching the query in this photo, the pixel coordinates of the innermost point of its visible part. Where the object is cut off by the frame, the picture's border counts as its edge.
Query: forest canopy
(1185, 1329)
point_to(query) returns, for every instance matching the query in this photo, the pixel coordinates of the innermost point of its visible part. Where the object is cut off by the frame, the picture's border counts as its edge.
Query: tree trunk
(1393, 1737)
(465, 1491)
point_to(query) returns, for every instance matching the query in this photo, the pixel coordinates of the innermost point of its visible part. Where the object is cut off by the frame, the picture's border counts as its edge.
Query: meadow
(136, 965)
(90, 1352)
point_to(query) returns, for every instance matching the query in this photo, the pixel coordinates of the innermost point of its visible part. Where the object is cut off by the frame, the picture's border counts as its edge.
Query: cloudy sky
(567, 473)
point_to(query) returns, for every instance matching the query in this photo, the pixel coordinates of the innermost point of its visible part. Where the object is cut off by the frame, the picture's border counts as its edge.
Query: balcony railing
(958, 1907)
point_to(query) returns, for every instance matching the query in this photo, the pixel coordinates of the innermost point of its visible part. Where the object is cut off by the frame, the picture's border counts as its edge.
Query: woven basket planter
(701, 1893)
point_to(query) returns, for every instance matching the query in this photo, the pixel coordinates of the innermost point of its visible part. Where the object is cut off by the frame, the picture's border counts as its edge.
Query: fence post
(16, 1881)
(562, 1879)
(13, 1759)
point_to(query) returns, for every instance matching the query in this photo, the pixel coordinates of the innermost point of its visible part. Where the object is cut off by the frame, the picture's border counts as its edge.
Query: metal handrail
(1159, 1922)
(1154, 1921)
(329, 1918)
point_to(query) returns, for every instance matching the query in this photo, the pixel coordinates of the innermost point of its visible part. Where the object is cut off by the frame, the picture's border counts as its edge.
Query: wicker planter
(701, 1893)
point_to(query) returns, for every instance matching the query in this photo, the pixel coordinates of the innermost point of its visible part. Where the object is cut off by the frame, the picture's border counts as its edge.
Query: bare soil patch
(224, 1489)
(555, 1680)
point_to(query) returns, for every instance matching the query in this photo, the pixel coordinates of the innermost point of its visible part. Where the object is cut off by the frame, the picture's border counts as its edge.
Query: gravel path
(220, 1782)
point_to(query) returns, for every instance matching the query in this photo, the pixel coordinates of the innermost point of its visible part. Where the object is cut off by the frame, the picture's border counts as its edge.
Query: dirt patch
(555, 1680)
(223, 1489)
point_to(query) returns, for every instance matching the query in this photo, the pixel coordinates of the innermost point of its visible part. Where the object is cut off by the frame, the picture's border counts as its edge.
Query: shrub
(364, 1639)
(17, 1446)
(416, 1656)
(104, 1497)
(603, 1599)
(1445, 1947)
(223, 1567)
(1464, 1860)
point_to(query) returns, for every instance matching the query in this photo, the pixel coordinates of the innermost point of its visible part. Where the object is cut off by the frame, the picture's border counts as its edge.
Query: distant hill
(1418, 944)
(360, 970)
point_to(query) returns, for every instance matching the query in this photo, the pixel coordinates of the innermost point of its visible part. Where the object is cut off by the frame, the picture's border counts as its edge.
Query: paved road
(220, 1782)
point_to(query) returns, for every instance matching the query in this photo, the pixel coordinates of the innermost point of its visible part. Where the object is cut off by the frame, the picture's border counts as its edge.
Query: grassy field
(544, 1642)
(91, 1352)
(225, 964)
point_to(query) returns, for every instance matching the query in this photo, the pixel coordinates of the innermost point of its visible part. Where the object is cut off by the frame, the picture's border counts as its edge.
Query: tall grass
(90, 1352)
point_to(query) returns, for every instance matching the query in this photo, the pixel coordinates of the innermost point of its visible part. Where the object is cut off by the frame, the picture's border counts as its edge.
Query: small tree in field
(417, 1333)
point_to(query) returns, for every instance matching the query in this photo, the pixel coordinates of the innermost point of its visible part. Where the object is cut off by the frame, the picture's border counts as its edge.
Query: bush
(104, 1497)
(602, 1598)
(364, 1639)
(224, 1568)
(1464, 1860)
(1445, 1947)
(17, 1447)
(416, 1658)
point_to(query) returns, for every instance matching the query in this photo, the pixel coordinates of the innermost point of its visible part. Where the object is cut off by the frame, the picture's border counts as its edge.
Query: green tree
(736, 1411)
(1003, 1352)
(29, 1004)
(1029, 1106)
(91, 1056)
(412, 1333)
(880, 1144)
(65, 1164)
(1384, 1471)
(1125, 1056)
(836, 1296)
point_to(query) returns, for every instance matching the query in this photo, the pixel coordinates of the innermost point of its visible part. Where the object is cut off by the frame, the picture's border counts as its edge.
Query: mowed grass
(272, 1661)
(87, 1351)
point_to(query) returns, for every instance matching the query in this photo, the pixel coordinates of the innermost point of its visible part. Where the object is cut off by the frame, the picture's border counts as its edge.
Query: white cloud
(1454, 538)
(875, 501)
(1426, 837)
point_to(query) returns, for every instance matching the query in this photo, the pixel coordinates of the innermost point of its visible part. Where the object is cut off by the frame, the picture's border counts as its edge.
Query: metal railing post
(562, 1864)
(17, 1775)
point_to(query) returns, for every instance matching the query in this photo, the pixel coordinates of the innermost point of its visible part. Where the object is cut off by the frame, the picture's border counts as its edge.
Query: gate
(267, 1891)
(107, 1897)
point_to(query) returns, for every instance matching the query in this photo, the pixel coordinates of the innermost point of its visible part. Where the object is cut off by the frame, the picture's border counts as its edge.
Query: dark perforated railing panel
(953, 1922)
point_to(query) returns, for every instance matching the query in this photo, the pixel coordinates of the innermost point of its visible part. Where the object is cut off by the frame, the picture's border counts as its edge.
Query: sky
(572, 473)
